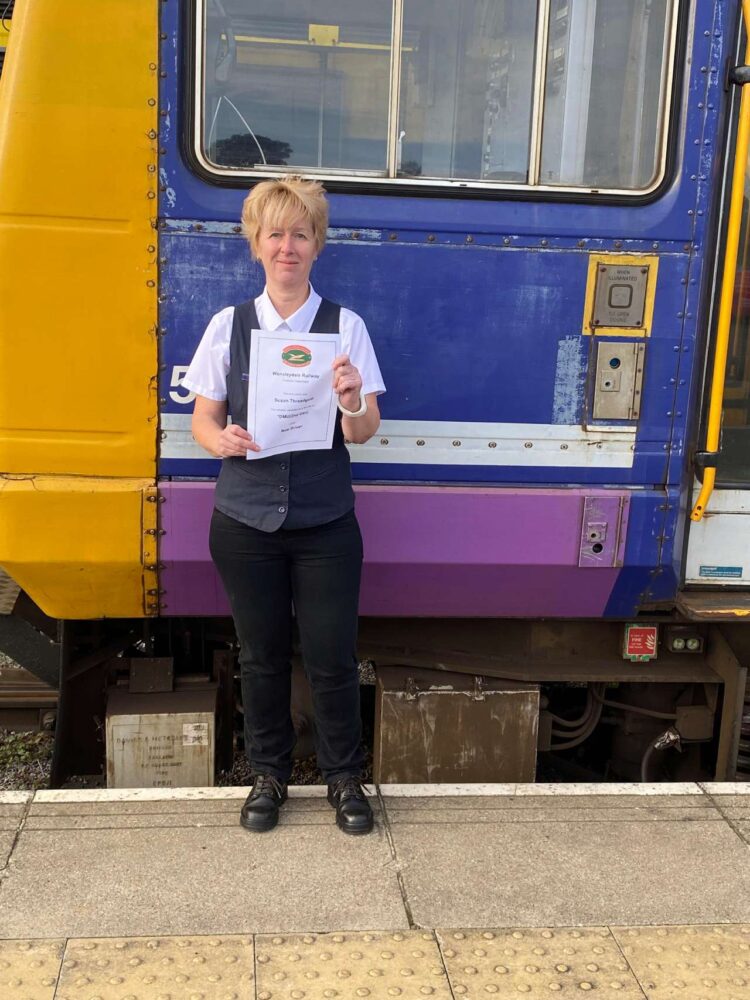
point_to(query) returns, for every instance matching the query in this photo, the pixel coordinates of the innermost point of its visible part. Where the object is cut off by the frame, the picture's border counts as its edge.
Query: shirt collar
(299, 322)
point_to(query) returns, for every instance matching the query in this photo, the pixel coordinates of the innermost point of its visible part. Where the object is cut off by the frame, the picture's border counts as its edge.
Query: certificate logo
(296, 356)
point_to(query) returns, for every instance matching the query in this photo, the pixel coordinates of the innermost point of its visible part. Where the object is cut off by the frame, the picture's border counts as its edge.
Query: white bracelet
(355, 413)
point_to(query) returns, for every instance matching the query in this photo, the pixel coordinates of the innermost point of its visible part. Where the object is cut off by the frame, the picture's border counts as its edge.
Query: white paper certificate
(291, 405)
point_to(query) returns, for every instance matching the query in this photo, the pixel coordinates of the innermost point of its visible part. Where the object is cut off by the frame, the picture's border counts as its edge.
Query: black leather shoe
(353, 813)
(261, 809)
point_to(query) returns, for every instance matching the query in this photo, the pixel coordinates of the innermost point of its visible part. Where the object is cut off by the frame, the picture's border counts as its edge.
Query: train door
(718, 552)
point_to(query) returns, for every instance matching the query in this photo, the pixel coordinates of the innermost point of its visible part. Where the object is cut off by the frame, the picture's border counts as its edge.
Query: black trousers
(318, 570)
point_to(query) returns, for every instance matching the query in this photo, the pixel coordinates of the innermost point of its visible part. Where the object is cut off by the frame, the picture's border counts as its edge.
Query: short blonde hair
(282, 203)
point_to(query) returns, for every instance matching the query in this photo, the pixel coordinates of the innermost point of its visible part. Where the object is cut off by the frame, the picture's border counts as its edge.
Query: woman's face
(287, 254)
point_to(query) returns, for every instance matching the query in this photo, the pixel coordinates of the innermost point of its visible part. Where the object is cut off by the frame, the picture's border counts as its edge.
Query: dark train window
(472, 93)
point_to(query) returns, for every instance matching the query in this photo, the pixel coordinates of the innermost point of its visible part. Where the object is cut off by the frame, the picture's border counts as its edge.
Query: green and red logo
(296, 356)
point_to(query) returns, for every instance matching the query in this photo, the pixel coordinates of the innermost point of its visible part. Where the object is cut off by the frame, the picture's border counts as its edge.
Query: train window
(602, 113)
(297, 83)
(467, 75)
(568, 94)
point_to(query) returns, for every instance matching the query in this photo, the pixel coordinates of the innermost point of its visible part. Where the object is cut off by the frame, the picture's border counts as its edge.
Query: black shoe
(261, 809)
(353, 813)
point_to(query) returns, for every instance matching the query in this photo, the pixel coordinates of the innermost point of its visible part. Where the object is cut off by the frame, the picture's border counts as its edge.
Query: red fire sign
(641, 642)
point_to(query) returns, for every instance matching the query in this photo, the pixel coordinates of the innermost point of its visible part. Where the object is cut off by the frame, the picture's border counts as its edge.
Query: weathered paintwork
(78, 344)
(475, 308)
(451, 550)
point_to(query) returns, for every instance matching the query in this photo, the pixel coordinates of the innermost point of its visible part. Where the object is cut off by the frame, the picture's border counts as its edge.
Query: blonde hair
(282, 203)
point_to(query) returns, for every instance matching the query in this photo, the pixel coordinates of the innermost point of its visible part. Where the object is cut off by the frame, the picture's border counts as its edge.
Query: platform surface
(638, 891)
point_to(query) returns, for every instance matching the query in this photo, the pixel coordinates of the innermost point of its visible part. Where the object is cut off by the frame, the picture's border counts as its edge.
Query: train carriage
(536, 208)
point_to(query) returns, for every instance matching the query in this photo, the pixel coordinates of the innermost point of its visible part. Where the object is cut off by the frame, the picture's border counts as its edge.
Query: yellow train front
(528, 201)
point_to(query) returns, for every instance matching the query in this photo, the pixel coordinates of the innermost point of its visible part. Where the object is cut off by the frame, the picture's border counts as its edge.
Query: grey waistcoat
(298, 489)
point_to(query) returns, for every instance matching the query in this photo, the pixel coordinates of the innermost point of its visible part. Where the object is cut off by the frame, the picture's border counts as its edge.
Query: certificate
(291, 405)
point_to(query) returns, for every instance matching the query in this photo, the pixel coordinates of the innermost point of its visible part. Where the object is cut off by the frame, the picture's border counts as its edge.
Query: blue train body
(475, 306)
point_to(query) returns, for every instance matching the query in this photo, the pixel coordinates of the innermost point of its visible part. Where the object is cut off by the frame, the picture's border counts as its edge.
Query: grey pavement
(118, 864)
(11, 816)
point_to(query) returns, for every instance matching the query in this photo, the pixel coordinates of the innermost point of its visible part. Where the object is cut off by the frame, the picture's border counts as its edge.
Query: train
(541, 211)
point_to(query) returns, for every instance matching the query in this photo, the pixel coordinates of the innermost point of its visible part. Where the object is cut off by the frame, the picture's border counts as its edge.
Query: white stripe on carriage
(445, 442)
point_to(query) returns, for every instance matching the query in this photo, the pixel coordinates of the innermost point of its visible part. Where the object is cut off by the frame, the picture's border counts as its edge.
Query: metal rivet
(456, 444)
(420, 442)
(384, 440)
(431, 238)
(392, 236)
(492, 444)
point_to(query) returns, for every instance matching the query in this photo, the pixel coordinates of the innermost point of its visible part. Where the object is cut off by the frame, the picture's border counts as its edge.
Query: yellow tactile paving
(536, 964)
(350, 966)
(159, 968)
(709, 962)
(29, 969)
(689, 963)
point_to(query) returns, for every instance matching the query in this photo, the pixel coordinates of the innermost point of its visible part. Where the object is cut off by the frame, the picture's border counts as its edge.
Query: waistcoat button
(282, 510)
(283, 489)
(283, 465)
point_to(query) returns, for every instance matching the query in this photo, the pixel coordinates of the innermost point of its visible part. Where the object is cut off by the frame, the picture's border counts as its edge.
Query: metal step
(714, 605)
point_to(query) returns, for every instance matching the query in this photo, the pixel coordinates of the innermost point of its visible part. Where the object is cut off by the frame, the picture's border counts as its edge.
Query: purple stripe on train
(438, 551)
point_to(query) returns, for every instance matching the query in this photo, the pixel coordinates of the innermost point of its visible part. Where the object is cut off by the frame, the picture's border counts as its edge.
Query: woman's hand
(211, 431)
(347, 383)
(234, 442)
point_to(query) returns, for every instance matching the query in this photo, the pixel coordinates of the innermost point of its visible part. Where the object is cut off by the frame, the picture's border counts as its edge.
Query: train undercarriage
(450, 700)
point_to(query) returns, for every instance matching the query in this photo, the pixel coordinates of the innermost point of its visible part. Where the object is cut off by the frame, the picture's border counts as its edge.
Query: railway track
(26, 703)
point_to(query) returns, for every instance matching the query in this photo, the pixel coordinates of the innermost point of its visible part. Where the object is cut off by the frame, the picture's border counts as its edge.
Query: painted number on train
(176, 393)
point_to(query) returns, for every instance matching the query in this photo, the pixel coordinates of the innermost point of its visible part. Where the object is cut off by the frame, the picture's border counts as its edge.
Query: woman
(283, 530)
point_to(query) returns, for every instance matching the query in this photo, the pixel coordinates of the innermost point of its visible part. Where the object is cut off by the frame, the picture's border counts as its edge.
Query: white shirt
(207, 374)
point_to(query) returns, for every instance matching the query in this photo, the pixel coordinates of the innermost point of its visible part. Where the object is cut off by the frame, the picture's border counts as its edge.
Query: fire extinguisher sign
(640, 643)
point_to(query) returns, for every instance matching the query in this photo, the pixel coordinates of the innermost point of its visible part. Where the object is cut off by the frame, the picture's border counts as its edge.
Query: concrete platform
(460, 891)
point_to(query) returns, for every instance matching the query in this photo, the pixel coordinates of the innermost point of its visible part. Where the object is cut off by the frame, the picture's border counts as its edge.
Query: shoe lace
(267, 784)
(349, 787)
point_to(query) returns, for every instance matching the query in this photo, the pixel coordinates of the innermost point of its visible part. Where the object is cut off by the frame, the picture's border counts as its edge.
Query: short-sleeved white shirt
(207, 374)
